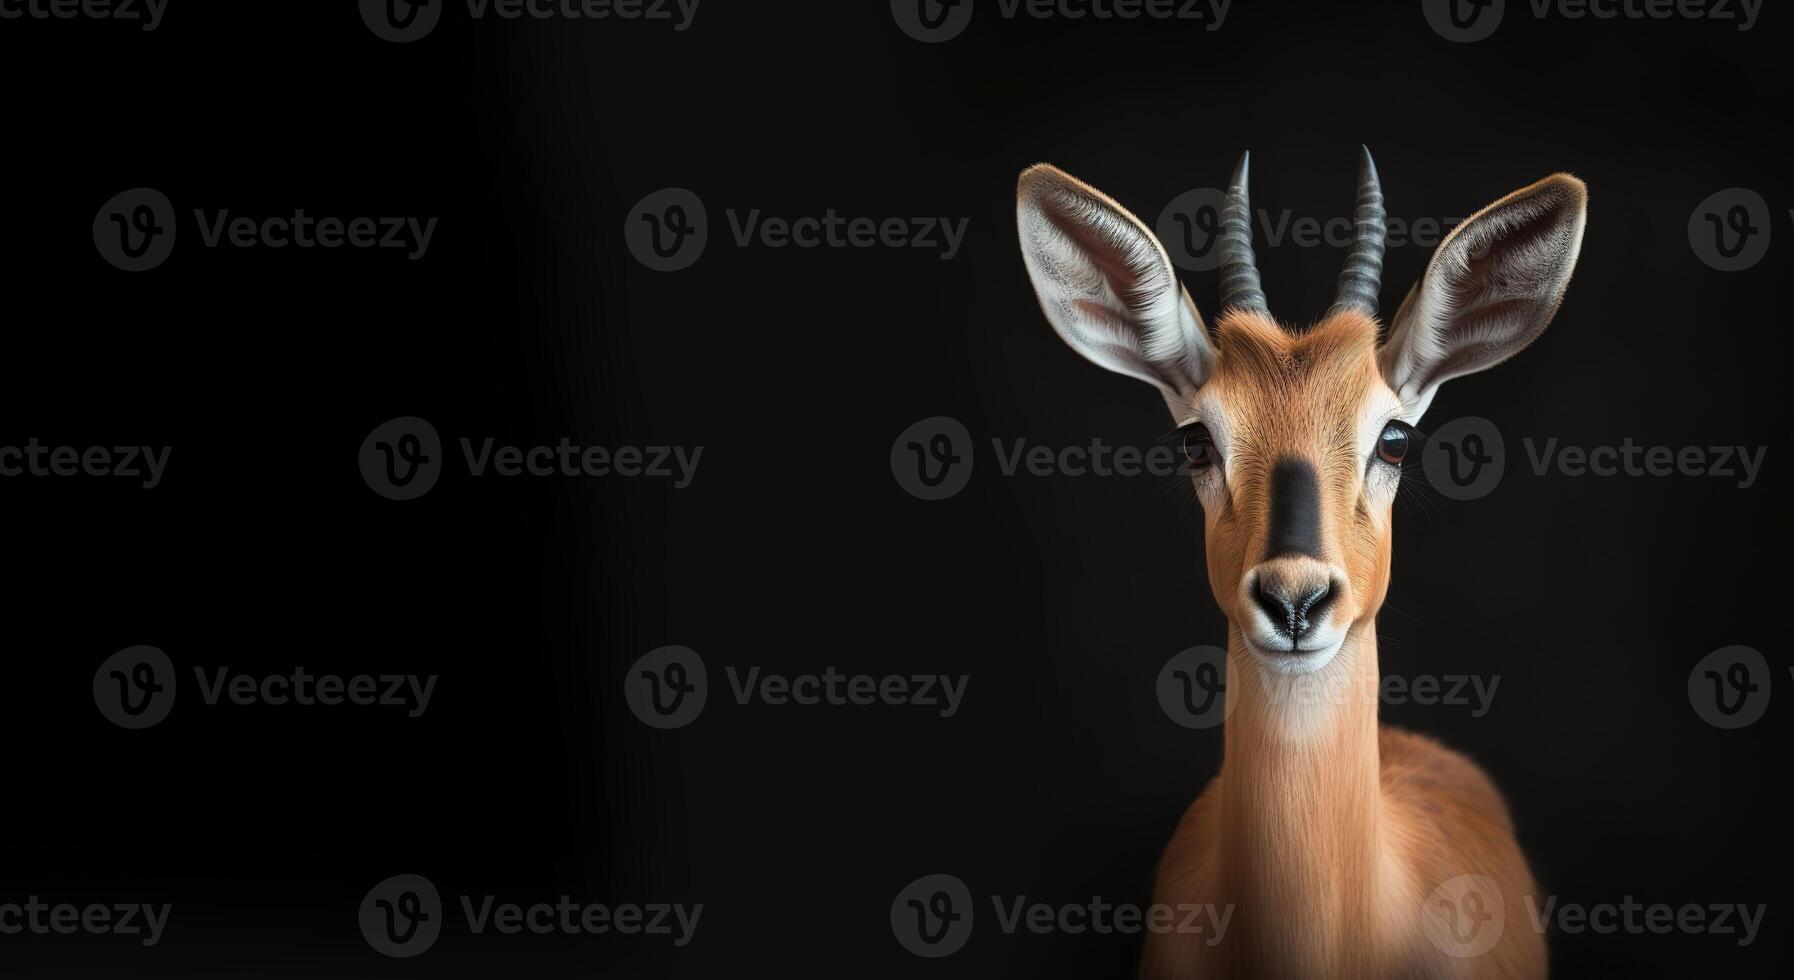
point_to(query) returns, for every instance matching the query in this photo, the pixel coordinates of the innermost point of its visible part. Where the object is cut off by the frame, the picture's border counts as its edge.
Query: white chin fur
(1277, 659)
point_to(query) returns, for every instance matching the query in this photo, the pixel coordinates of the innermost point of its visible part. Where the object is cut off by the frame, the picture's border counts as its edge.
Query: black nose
(1293, 616)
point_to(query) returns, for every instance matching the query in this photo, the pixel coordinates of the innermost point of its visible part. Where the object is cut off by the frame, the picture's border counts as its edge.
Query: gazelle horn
(1361, 280)
(1240, 285)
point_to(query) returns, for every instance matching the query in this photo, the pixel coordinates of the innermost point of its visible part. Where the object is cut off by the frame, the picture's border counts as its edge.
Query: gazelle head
(1296, 436)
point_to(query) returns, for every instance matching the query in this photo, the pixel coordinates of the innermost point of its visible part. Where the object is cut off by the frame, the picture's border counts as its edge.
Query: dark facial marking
(1295, 510)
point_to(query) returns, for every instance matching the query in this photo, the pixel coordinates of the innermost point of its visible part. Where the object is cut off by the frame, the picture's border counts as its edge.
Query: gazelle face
(1296, 446)
(1297, 437)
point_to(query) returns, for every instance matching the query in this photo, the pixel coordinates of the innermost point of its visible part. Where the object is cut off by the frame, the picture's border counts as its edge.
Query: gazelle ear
(1107, 286)
(1491, 289)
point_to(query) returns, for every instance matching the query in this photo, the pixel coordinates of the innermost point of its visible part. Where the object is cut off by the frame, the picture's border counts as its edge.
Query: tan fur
(1324, 832)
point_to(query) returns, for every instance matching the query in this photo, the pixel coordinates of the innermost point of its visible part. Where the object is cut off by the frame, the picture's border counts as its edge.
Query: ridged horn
(1361, 281)
(1240, 285)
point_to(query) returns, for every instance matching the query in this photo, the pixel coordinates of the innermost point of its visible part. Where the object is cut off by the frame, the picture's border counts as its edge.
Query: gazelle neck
(1301, 806)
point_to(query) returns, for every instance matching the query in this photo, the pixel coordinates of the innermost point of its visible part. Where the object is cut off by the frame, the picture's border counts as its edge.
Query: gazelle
(1344, 849)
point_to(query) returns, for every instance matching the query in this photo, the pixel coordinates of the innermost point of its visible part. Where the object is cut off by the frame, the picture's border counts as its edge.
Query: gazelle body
(1343, 849)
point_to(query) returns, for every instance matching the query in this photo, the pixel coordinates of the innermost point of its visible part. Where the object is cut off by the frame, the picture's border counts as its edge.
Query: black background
(795, 549)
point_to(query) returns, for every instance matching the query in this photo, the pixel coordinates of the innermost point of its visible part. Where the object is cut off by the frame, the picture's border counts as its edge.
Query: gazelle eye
(1392, 445)
(1199, 446)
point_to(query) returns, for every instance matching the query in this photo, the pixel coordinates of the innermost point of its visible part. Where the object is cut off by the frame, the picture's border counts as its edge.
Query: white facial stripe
(1379, 408)
(1206, 409)
(1380, 405)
